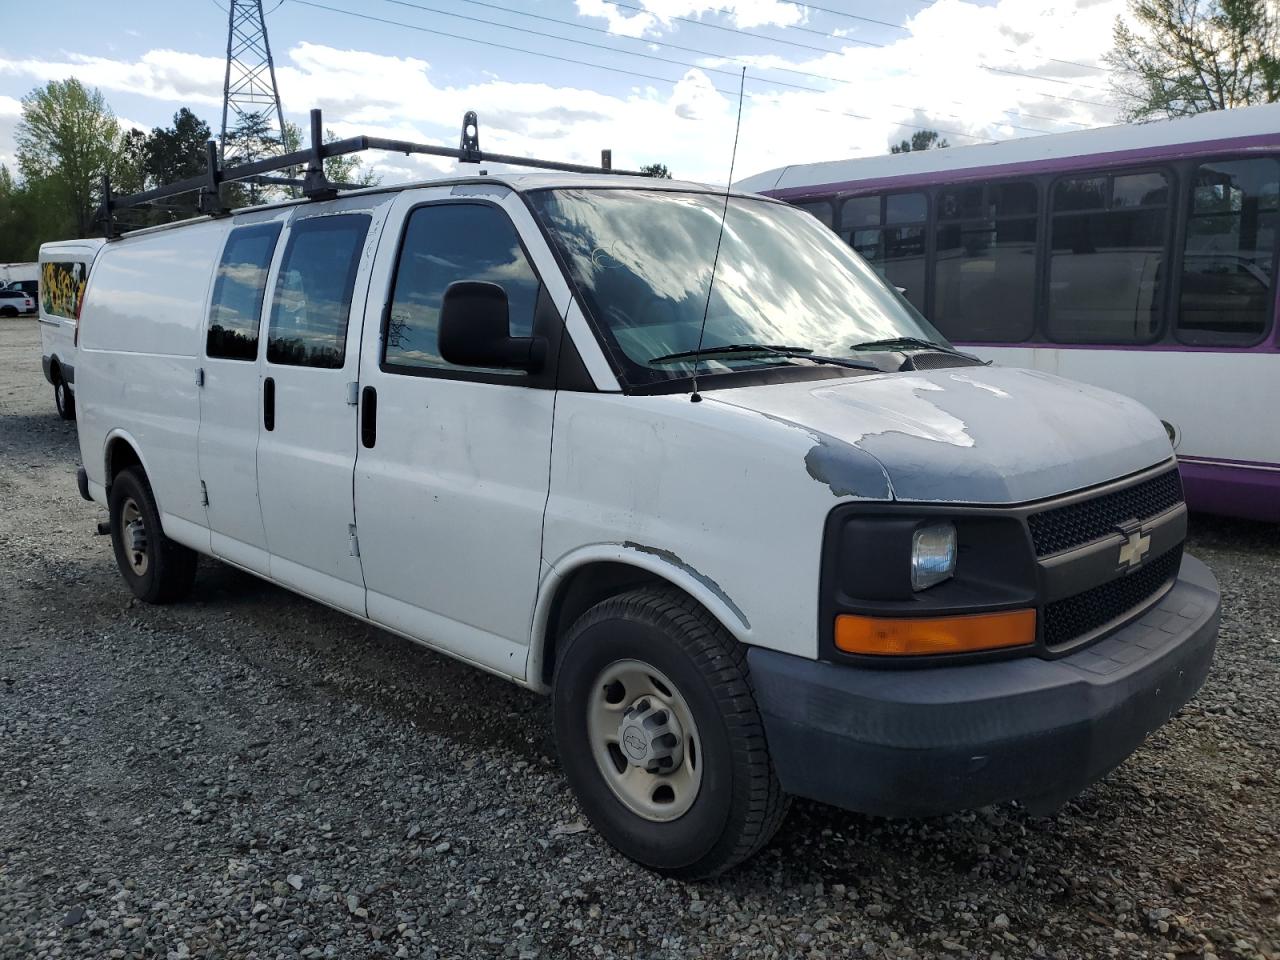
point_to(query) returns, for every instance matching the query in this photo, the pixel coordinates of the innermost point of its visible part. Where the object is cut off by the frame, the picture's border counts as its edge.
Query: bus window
(1106, 266)
(821, 210)
(889, 233)
(1230, 248)
(985, 266)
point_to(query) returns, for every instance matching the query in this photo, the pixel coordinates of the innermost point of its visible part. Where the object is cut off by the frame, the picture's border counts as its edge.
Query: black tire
(64, 398)
(169, 569)
(8, 312)
(739, 803)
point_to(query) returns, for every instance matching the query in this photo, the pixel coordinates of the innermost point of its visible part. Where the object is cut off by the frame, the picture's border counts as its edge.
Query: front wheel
(157, 569)
(660, 737)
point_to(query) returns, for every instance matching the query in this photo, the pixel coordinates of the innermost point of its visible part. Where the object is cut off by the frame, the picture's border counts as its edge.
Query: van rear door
(307, 426)
(231, 398)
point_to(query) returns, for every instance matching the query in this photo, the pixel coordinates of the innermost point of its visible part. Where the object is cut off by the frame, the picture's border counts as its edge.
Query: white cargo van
(64, 271)
(847, 562)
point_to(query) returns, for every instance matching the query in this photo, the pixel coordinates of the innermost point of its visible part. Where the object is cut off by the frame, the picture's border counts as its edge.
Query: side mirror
(475, 330)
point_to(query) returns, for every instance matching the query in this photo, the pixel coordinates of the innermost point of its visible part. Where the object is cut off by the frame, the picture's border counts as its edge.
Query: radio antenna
(696, 397)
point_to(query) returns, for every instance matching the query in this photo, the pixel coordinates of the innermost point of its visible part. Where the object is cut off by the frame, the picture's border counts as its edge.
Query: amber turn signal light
(910, 636)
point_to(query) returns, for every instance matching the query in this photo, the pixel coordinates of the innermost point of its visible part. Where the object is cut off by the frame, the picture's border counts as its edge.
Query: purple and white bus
(1140, 258)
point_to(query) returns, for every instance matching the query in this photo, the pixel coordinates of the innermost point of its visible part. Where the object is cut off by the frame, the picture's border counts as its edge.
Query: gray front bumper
(927, 741)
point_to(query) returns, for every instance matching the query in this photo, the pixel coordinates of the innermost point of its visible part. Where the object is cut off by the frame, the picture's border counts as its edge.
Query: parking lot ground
(249, 774)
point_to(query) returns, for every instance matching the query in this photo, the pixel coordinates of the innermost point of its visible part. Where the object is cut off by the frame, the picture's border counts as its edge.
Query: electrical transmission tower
(250, 98)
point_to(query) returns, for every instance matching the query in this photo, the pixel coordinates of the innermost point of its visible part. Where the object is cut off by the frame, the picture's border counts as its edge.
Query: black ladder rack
(313, 183)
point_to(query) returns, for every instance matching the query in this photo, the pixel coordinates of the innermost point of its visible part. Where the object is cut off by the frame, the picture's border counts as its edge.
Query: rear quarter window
(62, 285)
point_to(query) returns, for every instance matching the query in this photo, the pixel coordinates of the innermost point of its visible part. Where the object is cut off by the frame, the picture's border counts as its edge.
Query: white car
(64, 272)
(761, 536)
(15, 302)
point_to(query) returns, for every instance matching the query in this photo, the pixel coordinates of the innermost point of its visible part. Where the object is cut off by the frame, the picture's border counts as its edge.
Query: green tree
(920, 140)
(658, 170)
(67, 138)
(1181, 57)
(176, 152)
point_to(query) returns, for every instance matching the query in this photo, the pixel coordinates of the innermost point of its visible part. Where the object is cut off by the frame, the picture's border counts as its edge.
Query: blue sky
(822, 83)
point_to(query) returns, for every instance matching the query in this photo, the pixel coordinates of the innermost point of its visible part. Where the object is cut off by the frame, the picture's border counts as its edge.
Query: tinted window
(820, 209)
(62, 287)
(860, 212)
(443, 244)
(1227, 264)
(1106, 268)
(985, 262)
(312, 300)
(236, 309)
(897, 250)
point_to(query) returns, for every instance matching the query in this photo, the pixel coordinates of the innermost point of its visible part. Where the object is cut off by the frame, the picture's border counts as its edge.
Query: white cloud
(939, 74)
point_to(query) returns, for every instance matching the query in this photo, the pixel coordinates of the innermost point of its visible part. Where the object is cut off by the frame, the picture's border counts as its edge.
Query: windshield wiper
(762, 349)
(896, 343)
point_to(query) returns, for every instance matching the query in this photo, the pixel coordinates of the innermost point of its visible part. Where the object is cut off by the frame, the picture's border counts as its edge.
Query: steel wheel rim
(619, 688)
(133, 536)
(60, 394)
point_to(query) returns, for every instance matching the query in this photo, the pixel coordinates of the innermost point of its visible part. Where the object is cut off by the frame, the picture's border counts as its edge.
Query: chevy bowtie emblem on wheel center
(1134, 549)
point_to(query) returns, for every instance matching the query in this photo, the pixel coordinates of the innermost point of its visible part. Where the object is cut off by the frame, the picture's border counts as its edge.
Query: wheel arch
(120, 451)
(585, 577)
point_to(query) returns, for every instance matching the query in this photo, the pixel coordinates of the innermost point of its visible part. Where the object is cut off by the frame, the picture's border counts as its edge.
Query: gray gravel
(250, 774)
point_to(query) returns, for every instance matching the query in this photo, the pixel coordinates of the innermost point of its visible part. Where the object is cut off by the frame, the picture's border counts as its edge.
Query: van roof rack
(313, 183)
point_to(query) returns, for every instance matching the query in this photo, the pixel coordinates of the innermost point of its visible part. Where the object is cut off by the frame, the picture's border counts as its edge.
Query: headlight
(933, 555)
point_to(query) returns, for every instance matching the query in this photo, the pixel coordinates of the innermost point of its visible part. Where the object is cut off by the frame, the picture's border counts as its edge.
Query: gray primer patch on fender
(698, 575)
(847, 471)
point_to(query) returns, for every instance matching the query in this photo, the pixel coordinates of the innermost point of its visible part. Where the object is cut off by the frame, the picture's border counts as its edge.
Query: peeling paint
(702, 578)
(847, 471)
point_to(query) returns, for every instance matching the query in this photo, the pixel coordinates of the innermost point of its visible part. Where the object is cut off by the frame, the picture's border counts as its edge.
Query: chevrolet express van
(64, 271)
(846, 562)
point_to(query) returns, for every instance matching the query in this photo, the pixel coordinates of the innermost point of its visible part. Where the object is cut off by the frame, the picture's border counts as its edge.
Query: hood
(983, 435)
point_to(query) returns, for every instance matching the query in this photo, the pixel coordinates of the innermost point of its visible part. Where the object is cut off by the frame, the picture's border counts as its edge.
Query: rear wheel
(659, 735)
(157, 569)
(64, 399)
(8, 311)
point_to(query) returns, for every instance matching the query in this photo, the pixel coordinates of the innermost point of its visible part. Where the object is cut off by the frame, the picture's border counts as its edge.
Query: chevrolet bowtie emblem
(1134, 549)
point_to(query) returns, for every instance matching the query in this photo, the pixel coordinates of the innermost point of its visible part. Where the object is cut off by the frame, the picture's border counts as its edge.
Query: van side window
(312, 300)
(62, 287)
(236, 309)
(1227, 262)
(444, 243)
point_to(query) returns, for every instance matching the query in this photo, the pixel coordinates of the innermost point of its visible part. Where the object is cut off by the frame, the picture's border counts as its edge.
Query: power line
(866, 43)
(834, 36)
(668, 60)
(693, 50)
(600, 66)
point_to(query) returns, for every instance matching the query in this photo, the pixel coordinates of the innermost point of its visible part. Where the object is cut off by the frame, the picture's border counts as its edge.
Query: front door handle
(369, 417)
(269, 403)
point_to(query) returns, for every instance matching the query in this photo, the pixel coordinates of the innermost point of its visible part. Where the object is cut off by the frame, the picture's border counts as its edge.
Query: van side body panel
(140, 334)
(717, 478)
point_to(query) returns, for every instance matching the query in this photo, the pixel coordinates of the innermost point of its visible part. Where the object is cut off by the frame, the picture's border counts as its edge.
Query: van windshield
(642, 260)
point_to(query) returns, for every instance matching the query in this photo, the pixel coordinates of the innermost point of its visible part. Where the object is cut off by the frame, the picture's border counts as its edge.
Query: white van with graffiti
(678, 458)
(64, 271)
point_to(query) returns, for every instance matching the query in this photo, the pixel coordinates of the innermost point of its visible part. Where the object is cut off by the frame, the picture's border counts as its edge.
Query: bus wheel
(64, 399)
(659, 735)
(157, 569)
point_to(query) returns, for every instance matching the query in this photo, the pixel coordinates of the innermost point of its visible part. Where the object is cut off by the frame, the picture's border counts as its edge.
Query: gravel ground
(250, 774)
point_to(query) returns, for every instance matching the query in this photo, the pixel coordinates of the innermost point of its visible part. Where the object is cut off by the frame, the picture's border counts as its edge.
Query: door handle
(369, 417)
(269, 403)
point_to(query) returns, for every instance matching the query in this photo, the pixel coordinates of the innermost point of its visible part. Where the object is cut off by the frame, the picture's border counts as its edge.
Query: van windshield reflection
(642, 260)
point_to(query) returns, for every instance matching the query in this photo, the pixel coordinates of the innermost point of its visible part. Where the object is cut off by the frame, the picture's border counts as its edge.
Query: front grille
(1072, 617)
(1079, 523)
